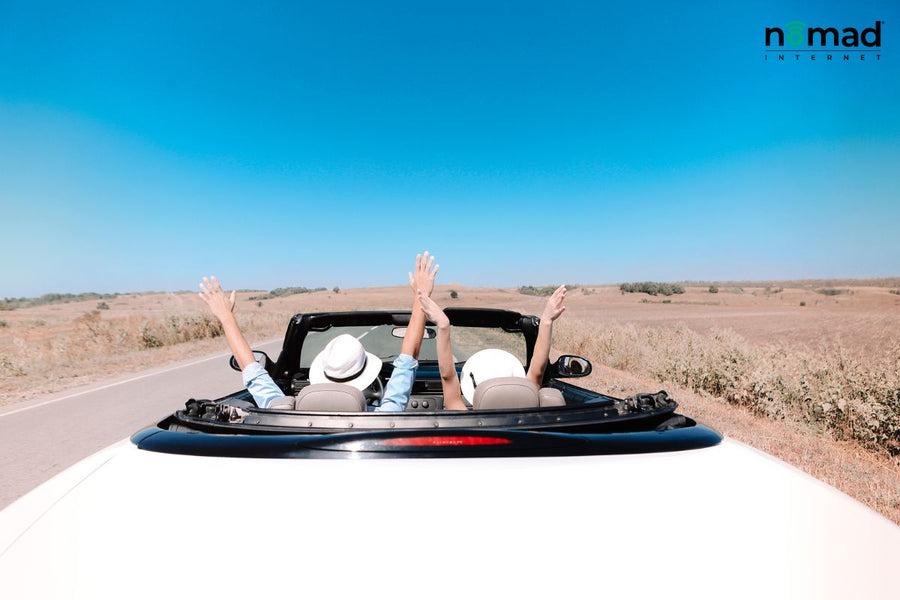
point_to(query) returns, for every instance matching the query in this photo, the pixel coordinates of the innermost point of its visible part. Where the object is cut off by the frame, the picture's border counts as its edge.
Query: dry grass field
(807, 371)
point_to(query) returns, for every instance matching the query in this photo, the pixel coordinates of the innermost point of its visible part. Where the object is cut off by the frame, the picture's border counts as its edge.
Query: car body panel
(724, 521)
(600, 497)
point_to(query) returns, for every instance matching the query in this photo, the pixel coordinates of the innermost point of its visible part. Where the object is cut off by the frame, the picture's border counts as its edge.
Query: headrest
(336, 397)
(506, 392)
(490, 363)
(551, 397)
(283, 403)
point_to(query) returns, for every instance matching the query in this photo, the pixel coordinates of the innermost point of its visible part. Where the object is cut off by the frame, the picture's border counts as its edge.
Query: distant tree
(336, 289)
(454, 294)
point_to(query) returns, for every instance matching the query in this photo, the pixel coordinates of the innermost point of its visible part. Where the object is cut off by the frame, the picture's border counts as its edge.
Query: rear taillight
(442, 441)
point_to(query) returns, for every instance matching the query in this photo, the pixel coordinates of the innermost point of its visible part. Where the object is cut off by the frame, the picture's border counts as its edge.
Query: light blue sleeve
(261, 385)
(399, 386)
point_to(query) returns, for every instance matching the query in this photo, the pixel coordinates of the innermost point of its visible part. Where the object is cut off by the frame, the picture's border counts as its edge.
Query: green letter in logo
(795, 31)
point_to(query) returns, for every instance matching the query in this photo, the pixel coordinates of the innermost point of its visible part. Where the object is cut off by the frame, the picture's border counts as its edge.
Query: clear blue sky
(142, 147)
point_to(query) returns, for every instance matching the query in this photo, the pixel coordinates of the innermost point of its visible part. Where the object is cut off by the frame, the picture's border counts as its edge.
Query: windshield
(379, 340)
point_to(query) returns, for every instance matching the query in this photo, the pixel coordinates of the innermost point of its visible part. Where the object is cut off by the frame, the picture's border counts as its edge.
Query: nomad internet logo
(796, 40)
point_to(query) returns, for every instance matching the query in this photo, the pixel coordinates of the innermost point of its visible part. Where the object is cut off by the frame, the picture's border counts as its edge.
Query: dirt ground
(862, 319)
(38, 350)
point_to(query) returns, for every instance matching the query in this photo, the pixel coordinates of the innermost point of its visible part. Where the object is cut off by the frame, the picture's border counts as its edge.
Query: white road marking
(365, 333)
(138, 377)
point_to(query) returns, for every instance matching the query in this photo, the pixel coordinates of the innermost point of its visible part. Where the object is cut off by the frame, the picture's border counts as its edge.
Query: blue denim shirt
(396, 393)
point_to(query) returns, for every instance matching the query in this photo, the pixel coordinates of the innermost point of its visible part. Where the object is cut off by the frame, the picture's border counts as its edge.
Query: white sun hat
(344, 360)
(487, 364)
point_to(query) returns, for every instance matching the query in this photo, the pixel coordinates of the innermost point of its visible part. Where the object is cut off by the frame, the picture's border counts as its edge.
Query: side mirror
(399, 332)
(569, 365)
(258, 355)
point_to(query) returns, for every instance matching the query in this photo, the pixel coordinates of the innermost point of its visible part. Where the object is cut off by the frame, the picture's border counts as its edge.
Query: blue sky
(142, 147)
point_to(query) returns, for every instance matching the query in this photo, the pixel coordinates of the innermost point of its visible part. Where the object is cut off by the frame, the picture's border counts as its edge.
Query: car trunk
(724, 521)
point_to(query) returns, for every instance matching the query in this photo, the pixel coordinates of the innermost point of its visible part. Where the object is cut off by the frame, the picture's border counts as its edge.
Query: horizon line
(890, 281)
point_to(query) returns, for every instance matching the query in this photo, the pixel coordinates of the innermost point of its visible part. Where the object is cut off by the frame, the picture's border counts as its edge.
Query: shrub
(13, 303)
(9, 368)
(176, 329)
(653, 288)
(148, 338)
(831, 291)
(290, 291)
(530, 290)
(336, 289)
(852, 397)
(102, 306)
(803, 303)
(454, 294)
(258, 304)
(713, 289)
(4, 324)
(895, 292)
(94, 339)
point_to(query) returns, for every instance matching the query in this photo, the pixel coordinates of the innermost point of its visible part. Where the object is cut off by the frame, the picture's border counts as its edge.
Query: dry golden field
(811, 378)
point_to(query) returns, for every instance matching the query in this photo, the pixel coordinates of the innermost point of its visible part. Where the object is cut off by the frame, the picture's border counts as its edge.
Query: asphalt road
(41, 437)
(44, 436)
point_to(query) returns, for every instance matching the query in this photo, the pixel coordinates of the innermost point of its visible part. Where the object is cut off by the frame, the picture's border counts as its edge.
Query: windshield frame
(288, 363)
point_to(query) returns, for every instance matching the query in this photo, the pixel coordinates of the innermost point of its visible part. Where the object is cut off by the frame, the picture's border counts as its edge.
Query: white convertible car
(559, 492)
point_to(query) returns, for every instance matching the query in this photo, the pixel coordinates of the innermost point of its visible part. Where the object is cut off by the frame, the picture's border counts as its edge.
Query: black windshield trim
(300, 325)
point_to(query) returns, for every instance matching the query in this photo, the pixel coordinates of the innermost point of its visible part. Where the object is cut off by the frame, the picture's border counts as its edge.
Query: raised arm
(552, 310)
(422, 279)
(453, 399)
(222, 308)
(399, 386)
(259, 383)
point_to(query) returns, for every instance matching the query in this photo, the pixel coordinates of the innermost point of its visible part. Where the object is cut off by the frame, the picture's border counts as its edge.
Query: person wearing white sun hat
(343, 360)
(490, 363)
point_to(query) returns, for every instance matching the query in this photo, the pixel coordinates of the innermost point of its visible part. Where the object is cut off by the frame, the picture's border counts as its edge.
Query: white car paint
(721, 522)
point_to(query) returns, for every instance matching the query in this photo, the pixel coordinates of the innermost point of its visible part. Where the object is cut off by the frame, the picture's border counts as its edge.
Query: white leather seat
(332, 397)
(551, 397)
(506, 392)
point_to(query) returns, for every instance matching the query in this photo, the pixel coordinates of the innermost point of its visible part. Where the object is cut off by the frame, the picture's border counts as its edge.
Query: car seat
(334, 397)
(506, 392)
(551, 397)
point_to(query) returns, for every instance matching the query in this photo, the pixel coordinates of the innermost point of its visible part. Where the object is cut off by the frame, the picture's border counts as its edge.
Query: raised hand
(432, 310)
(220, 304)
(554, 306)
(423, 277)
